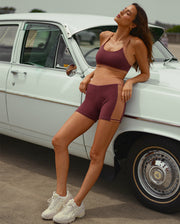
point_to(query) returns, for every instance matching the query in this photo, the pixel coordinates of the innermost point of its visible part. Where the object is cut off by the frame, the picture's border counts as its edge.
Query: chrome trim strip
(2, 91)
(43, 99)
(149, 120)
(13, 126)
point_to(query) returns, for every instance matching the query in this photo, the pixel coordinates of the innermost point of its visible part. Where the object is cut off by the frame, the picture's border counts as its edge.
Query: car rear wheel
(154, 166)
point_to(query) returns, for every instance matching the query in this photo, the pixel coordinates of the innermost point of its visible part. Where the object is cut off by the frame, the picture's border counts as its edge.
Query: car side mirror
(70, 69)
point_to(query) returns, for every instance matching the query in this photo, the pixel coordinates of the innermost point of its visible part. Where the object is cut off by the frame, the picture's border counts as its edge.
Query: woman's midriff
(104, 75)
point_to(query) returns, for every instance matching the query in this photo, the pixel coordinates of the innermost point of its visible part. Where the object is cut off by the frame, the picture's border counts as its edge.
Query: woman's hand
(127, 90)
(83, 86)
(85, 81)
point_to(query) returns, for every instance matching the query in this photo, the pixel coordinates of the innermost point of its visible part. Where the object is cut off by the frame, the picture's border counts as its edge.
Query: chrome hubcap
(159, 174)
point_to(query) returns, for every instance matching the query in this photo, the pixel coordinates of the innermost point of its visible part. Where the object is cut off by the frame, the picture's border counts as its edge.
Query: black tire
(154, 171)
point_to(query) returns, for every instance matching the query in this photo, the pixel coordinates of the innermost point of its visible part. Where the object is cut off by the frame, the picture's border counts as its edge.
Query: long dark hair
(142, 31)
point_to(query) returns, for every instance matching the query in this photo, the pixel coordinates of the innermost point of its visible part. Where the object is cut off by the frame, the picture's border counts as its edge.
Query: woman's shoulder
(137, 42)
(105, 35)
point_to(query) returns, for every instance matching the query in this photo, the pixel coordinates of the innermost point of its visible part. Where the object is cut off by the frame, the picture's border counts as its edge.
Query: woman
(106, 95)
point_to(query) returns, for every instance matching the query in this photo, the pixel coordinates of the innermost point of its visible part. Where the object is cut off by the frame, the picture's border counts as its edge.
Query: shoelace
(71, 204)
(50, 199)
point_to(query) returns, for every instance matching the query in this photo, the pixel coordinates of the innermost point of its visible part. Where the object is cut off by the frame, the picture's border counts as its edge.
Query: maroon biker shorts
(103, 102)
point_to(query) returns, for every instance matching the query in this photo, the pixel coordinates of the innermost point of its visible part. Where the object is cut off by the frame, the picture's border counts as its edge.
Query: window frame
(11, 23)
(25, 37)
(56, 57)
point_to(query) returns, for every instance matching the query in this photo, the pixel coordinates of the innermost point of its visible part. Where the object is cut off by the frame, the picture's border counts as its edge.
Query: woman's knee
(96, 156)
(59, 142)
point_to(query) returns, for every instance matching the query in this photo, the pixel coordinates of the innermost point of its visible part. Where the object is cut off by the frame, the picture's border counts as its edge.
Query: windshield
(88, 41)
(160, 52)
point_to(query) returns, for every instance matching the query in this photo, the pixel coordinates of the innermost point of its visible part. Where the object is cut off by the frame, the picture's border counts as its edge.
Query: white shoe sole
(81, 215)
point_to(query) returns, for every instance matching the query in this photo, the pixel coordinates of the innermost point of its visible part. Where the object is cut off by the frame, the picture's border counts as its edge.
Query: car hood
(158, 99)
(167, 75)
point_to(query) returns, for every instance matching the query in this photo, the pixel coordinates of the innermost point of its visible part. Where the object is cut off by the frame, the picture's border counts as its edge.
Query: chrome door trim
(152, 121)
(42, 99)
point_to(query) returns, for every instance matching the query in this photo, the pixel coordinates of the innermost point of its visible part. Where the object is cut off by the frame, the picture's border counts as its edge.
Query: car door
(7, 37)
(41, 96)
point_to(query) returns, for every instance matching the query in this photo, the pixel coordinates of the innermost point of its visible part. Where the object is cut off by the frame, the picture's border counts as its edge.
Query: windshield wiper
(167, 60)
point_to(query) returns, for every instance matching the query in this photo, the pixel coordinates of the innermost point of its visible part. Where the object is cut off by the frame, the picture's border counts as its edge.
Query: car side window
(64, 58)
(40, 44)
(7, 37)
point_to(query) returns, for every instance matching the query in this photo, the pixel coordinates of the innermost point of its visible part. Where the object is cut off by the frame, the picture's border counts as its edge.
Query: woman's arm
(142, 60)
(85, 81)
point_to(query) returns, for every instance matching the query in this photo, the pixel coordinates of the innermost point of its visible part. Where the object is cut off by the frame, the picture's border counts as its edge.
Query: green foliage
(175, 29)
(6, 10)
(37, 10)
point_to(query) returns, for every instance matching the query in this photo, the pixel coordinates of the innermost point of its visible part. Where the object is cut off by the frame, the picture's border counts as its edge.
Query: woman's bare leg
(104, 134)
(76, 125)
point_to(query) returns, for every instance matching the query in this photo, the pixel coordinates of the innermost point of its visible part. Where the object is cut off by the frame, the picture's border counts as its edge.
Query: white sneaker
(55, 205)
(69, 213)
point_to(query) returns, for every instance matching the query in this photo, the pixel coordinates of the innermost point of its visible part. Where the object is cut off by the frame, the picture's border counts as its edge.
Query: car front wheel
(154, 165)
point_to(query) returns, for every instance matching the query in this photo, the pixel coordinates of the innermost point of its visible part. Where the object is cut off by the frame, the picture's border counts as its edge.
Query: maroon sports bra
(114, 59)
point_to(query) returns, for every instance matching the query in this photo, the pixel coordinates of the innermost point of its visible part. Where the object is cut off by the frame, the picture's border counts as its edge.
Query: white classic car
(41, 65)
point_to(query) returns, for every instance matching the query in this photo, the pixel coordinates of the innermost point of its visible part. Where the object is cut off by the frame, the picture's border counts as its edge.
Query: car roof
(73, 23)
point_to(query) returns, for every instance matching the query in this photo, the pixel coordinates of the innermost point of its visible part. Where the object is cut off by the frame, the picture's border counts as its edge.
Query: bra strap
(126, 44)
(107, 39)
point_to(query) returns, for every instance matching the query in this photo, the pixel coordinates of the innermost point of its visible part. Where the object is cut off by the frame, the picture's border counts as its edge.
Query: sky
(164, 11)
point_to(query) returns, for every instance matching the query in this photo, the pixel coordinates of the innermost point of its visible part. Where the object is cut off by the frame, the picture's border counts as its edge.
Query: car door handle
(17, 72)
(14, 72)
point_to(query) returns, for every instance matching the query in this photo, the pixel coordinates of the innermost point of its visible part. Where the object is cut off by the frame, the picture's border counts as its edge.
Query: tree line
(7, 10)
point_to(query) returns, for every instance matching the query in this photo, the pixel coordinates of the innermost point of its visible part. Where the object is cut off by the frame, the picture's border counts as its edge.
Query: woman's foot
(56, 203)
(70, 212)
